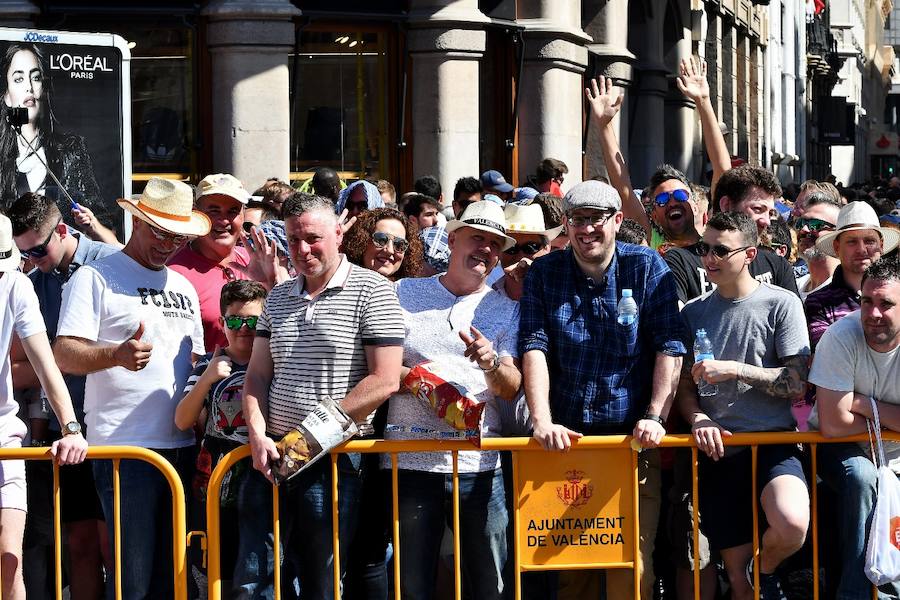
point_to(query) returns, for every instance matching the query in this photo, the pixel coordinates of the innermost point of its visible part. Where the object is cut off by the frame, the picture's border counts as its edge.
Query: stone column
(552, 104)
(249, 43)
(606, 22)
(681, 117)
(18, 13)
(646, 149)
(446, 42)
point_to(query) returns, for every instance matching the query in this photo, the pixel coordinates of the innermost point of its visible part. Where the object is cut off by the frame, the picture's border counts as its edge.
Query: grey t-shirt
(760, 329)
(844, 362)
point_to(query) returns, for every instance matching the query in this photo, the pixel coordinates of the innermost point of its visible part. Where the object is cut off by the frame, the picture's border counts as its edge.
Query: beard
(813, 254)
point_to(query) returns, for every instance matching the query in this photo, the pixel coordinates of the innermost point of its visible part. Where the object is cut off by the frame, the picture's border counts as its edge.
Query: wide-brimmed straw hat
(484, 216)
(528, 219)
(857, 216)
(9, 253)
(168, 204)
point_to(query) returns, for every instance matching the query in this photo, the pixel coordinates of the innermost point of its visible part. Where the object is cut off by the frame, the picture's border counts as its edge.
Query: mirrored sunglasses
(662, 198)
(381, 239)
(235, 322)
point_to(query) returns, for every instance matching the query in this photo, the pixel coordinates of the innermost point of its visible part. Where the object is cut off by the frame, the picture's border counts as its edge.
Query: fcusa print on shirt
(107, 302)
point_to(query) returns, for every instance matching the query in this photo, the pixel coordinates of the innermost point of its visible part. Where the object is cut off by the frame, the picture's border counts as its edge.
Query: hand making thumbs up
(479, 349)
(134, 354)
(219, 367)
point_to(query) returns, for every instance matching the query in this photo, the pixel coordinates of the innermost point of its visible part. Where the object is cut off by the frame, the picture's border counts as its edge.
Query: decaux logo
(34, 36)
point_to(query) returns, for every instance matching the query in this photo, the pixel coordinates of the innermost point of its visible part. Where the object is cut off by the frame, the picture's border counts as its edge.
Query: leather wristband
(651, 417)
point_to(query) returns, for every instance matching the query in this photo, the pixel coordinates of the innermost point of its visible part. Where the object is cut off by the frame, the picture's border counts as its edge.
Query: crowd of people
(228, 317)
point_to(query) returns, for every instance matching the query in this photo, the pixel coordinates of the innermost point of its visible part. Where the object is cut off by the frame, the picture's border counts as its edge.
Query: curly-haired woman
(383, 240)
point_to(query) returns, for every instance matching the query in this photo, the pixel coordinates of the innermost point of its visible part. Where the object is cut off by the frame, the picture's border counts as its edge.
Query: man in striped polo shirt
(335, 330)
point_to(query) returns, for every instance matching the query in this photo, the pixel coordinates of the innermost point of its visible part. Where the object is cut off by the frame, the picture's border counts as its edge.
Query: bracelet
(651, 417)
(494, 366)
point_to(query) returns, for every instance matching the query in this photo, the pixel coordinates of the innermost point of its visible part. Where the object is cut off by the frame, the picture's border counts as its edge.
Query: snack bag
(450, 401)
(324, 428)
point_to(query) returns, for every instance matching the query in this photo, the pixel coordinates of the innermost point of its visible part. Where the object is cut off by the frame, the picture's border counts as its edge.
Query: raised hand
(605, 100)
(479, 349)
(264, 266)
(219, 366)
(134, 354)
(344, 223)
(692, 79)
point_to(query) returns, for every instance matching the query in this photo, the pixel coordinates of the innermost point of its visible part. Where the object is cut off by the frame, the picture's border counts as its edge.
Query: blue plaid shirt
(600, 371)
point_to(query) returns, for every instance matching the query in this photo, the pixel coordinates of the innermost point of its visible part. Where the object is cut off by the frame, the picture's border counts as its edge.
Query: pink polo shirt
(208, 277)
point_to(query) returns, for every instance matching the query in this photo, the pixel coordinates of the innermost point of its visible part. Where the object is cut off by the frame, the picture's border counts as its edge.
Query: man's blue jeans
(426, 507)
(145, 503)
(306, 524)
(850, 473)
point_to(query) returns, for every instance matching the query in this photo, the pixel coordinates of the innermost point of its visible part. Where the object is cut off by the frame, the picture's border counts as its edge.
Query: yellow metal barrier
(395, 447)
(116, 454)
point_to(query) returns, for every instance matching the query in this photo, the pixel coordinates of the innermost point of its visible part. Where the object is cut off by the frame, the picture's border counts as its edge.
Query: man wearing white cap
(524, 224)
(858, 240)
(586, 370)
(133, 327)
(456, 321)
(20, 313)
(212, 260)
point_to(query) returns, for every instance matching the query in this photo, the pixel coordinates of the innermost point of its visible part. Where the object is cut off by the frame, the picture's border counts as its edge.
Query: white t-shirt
(105, 302)
(20, 312)
(433, 318)
(844, 362)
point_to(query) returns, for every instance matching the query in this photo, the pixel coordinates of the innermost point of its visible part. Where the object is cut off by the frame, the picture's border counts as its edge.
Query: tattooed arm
(787, 381)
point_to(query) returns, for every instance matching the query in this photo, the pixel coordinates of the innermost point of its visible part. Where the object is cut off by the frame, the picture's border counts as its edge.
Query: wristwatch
(494, 365)
(71, 428)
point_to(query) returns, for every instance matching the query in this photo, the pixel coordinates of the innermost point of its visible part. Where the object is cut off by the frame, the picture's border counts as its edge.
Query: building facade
(396, 89)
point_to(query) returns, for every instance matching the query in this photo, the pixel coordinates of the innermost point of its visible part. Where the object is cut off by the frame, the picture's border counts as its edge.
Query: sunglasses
(812, 225)
(718, 250)
(595, 220)
(40, 251)
(528, 249)
(662, 198)
(234, 323)
(360, 206)
(381, 240)
(165, 236)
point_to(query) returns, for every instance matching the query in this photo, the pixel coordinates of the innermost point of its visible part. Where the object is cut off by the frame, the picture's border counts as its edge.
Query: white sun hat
(857, 216)
(521, 218)
(484, 216)
(9, 253)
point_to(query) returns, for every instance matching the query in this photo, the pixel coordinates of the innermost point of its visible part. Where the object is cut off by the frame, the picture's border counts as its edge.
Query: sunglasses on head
(165, 236)
(40, 251)
(236, 323)
(381, 240)
(719, 251)
(528, 249)
(812, 225)
(662, 198)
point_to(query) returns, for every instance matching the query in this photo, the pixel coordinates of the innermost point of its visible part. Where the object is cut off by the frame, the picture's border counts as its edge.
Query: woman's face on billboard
(24, 83)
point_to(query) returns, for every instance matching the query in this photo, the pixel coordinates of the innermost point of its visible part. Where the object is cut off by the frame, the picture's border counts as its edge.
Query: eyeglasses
(165, 236)
(528, 249)
(812, 225)
(662, 198)
(40, 251)
(381, 240)
(234, 322)
(718, 250)
(598, 219)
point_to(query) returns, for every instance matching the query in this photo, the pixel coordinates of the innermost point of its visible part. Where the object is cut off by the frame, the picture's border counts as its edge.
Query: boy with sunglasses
(761, 347)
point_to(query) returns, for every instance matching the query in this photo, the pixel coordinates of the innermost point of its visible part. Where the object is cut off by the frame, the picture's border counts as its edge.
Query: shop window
(340, 103)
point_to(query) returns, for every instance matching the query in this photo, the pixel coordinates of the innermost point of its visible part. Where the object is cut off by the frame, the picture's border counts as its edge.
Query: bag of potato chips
(324, 428)
(450, 401)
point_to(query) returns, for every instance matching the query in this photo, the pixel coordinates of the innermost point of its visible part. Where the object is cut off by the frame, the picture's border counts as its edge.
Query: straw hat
(168, 204)
(857, 216)
(9, 254)
(484, 216)
(528, 219)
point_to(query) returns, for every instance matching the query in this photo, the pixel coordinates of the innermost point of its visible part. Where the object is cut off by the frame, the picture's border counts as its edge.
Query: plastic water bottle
(627, 310)
(703, 351)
